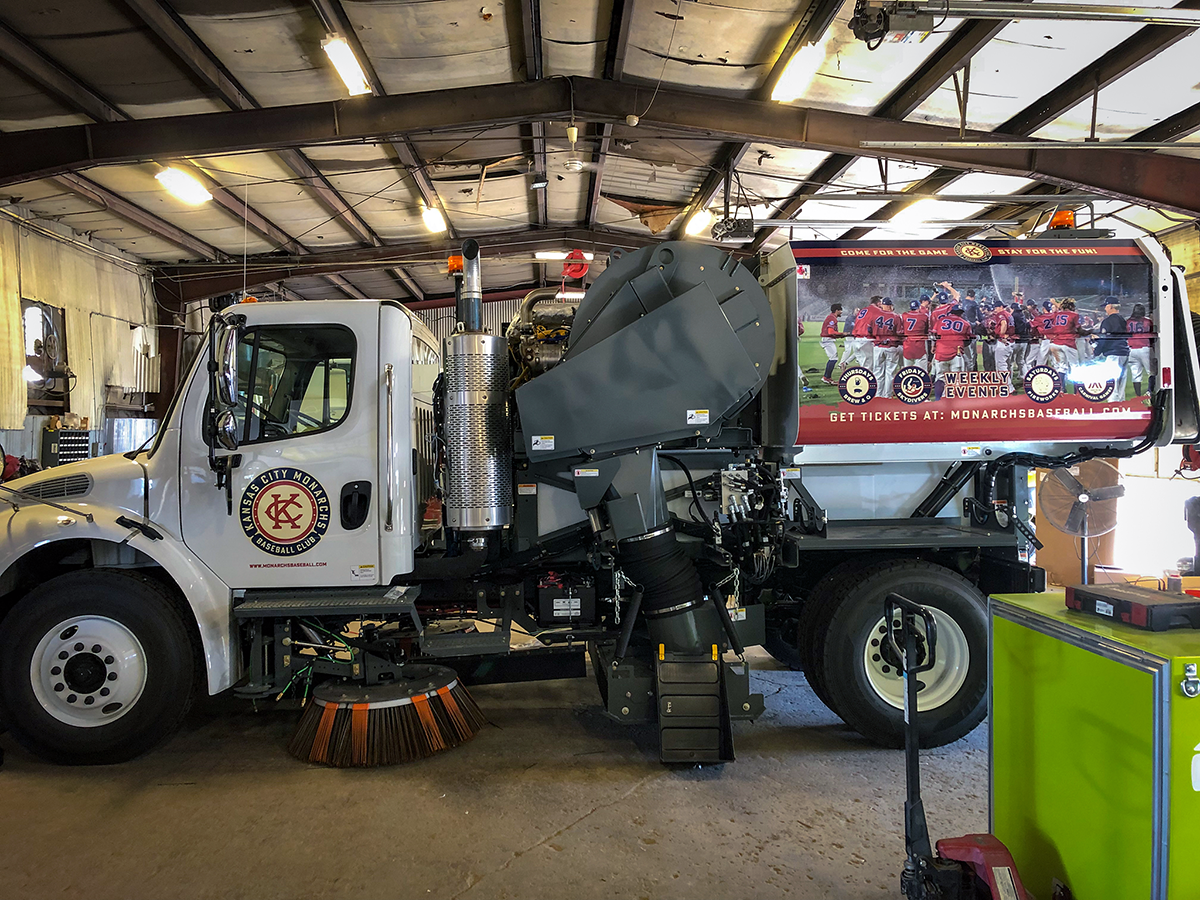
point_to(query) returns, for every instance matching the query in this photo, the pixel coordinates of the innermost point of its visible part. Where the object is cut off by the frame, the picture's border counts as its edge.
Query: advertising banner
(974, 341)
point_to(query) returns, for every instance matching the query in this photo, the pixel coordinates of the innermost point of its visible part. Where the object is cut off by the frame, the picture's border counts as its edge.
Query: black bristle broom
(425, 711)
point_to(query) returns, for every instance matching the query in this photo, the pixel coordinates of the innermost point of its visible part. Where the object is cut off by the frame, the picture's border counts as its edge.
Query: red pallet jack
(972, 867)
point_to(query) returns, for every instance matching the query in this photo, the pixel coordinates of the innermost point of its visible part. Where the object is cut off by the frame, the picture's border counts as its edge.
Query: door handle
(355, 504)
(388, 380)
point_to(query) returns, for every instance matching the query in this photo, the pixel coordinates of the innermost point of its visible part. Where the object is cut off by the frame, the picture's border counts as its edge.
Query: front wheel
(863, 678)
(96, 666)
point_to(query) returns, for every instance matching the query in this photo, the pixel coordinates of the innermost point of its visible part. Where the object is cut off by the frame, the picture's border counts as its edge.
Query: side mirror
(227, 367)
(225, 430)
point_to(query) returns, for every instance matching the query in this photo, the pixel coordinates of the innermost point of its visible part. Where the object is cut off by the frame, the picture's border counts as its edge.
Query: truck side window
(293, 380)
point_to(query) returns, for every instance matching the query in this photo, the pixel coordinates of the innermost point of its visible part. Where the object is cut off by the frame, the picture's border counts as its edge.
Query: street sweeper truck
(701, 455)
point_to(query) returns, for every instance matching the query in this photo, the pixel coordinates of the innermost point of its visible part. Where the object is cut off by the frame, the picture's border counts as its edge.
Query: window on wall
(293, 381)
(47, 376)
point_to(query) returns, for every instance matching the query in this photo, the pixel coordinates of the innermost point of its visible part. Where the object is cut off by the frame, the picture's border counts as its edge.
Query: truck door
(1187, 368)
(305, 493)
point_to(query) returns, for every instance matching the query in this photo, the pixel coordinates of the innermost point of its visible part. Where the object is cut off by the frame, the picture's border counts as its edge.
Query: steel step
(693, 714)
(336, 601)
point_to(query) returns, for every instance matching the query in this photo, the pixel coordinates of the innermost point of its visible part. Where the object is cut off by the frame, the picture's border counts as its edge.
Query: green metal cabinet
(1095, 752)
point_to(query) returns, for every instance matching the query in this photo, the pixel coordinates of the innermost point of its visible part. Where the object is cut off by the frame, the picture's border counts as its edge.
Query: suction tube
(472, 288)
(671, 590)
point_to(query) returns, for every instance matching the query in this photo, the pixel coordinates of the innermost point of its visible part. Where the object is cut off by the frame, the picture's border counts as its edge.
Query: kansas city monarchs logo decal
(284, 512)
(972, 251)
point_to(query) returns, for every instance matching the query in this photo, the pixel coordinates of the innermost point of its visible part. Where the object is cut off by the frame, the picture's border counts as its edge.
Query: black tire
(814, 621)
(140, 606)
(857, 609)
(781, 633)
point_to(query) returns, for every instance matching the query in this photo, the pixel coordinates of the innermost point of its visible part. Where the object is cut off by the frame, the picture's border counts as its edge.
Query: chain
(735, 575)
(620, 582)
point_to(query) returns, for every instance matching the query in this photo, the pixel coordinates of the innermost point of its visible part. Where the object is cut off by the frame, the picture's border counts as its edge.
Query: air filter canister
(478, 436)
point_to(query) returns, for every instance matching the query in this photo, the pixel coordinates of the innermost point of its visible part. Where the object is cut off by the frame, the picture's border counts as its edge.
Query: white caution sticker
(527, 490)
(971, 451)
(697, 416)
(363, 572)
(803, 271)
(792, 472)
(567, 606)
(1104, 609)
(587, 473)
(738, 615)
(543, 442)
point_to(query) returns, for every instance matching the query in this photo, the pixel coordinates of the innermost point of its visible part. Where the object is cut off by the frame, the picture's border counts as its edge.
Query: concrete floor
(551, 800)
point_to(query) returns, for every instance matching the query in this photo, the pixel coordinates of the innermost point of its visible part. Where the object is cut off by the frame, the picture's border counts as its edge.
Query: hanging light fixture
(182, 186)
(699, 223)
(800, 71)
(347, 64)
(434, 220)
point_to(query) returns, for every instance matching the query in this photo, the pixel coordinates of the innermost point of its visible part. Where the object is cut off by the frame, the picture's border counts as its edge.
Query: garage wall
(108, 305)
(496, 316)
(1184, 244)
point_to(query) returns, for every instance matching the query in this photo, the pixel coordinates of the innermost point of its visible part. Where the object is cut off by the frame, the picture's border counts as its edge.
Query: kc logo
(277, 511)
(284, 512)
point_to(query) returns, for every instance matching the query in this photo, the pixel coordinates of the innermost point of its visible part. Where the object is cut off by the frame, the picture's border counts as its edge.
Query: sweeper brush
(355, 725)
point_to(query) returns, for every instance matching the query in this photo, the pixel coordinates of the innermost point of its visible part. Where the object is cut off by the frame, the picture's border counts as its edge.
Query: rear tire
(864, 685)
(814, 621)
(96, 667)
(781, 632)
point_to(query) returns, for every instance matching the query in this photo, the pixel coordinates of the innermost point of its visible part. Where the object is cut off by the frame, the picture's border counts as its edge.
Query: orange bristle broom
(427, 710)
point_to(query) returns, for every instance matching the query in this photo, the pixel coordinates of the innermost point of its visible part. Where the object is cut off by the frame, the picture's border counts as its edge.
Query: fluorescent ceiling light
(560, 254)
(183, 186)
(884, 223)
(434, 220)
(699, 223)
(915, 214)
(1020, 145)
(31, 374)
(347, 64)
(799, 72)
(997, 9)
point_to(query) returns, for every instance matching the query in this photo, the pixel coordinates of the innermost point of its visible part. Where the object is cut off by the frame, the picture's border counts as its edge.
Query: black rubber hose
(668, 577)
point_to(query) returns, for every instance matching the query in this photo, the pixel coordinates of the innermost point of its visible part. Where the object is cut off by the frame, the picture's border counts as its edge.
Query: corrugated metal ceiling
(271, 51)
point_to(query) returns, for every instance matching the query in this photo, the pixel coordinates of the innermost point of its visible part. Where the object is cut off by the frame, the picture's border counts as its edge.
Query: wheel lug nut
(71, 698)
(875, 657)
(112, 676)
(58, 687)
(78, 647)
(57, 670)
(887, 670)
(95, 648)
(874, 642)
(108, 660)
(104, 692)
(64, 655)
(88, 701)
